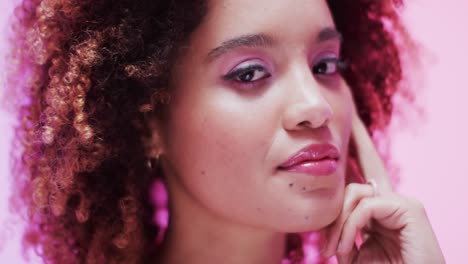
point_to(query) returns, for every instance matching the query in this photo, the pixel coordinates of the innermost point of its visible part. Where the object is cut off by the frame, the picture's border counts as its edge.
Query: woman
(244, 109)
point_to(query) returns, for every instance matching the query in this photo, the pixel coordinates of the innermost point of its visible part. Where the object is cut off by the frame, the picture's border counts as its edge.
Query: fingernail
(340, 247)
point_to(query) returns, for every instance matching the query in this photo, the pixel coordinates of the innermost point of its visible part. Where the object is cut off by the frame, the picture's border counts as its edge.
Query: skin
(222, 140)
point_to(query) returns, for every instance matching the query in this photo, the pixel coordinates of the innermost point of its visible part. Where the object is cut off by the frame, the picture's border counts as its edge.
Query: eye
(328, 66)
(248, 74)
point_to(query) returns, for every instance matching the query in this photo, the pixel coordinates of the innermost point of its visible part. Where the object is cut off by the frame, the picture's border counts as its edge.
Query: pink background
(431, 152)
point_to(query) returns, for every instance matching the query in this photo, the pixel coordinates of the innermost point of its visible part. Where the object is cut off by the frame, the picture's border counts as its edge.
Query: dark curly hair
(88, 74)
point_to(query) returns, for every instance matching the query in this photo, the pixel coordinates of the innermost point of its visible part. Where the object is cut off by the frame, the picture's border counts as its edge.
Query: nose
(307, 107)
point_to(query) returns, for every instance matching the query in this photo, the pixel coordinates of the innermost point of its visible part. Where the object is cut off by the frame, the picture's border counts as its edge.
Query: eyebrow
(263, 40)
(328, 34)
(246, 41)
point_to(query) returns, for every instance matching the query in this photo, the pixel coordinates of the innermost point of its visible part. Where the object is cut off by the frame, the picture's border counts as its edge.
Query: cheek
(220, 138)
(218, 156)
(342, 104)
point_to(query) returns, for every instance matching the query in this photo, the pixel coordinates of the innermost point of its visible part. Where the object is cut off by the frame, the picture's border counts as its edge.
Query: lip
(315, 160)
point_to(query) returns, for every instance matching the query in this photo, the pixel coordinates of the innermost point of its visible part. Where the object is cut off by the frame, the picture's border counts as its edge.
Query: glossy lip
(315, 159)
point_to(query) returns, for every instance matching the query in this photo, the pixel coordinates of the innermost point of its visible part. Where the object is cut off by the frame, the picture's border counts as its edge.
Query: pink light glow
(431, 153)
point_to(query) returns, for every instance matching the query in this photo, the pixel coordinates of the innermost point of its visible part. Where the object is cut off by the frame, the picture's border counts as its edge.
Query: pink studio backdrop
(431, 152)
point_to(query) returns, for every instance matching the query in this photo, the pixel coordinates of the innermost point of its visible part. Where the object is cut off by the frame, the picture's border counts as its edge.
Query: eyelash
(235, 75)
(338, 63)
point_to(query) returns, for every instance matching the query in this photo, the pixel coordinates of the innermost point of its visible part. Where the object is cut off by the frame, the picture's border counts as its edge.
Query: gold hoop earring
(152, 163)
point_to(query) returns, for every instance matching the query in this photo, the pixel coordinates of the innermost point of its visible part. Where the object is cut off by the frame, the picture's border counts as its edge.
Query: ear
(155, 144)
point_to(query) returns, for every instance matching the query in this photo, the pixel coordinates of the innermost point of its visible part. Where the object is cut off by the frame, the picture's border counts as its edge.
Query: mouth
(314, 160)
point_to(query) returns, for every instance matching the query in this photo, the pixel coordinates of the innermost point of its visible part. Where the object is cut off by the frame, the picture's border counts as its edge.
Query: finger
(354, 192)
(368, 157)
(386, 211)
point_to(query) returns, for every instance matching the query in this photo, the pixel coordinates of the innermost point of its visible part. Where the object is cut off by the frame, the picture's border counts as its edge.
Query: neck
(202, 246)
(196, 236)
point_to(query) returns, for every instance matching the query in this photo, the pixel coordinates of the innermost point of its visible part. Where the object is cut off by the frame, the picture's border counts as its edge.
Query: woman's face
(258, 83)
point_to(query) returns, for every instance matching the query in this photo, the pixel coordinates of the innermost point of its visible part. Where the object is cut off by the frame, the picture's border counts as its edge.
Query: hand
(395, 229)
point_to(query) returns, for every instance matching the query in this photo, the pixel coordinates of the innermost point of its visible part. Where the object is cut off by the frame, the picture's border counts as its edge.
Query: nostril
(305, 123)
(302, 115)
(311, 124)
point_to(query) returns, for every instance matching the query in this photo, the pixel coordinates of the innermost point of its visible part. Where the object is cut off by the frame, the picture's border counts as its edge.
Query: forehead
(279, 18)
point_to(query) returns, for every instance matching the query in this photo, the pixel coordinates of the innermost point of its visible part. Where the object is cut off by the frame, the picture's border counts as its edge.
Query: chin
(303, 222)
(310, 220)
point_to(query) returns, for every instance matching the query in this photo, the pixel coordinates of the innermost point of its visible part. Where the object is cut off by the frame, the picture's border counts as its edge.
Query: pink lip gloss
(315, 160)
